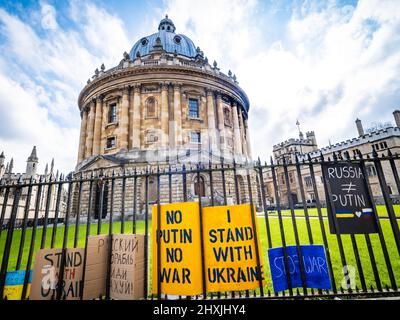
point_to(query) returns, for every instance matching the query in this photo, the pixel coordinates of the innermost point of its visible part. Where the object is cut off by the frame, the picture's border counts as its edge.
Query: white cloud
(41, 76)
(333, 64)
(48, 17)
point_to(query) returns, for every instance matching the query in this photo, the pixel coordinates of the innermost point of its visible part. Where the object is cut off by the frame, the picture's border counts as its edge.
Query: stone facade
(42, 198)
(164, 104)
(381, 140)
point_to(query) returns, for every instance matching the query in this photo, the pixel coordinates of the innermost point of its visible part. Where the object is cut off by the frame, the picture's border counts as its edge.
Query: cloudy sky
(324, 63)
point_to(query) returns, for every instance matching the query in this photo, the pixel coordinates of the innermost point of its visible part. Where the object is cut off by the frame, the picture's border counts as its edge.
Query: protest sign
(180, 249)
(351, 210)
(47, 269)
(314, 265)
(229, 249)
(15, 283)
(96, 267)
(127, 267)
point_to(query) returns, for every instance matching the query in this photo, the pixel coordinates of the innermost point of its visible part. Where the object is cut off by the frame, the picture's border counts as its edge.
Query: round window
(177, 40)
(144, 41)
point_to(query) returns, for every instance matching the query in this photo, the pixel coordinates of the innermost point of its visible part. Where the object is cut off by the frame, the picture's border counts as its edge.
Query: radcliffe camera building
(164, 104)
(380, 139)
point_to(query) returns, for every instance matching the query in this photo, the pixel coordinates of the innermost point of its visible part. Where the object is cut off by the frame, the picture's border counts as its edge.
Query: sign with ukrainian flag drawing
(15, 283)
(180, 247)
(230, 249)
(350, 210)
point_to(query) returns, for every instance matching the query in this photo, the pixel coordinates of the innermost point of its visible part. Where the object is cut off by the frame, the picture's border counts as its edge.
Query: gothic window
(195, 137)
(151, 136)
(151, 108)
(199, 187)
(308, 182)
(112, 113)
(227, 116)
(371, 171)
(194, 108)
(111, 143)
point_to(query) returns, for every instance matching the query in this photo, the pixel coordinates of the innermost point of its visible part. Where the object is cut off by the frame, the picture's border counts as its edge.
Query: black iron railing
(97, 202)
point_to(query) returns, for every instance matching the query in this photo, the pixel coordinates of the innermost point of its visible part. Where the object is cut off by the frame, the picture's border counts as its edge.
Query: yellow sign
(15, 292)
(15, 283)
(180, 249)
(229, 248)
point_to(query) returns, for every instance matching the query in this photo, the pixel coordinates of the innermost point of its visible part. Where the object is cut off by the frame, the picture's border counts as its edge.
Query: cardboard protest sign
(314, 262)
(229, 245)
(352, 209)
(96, 267)
(47, 269)
(180, 249)
(127, 267)
(15, 283)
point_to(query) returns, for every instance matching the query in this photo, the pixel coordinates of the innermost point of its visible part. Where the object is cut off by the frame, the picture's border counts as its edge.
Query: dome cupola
(165, 39)
(166, 24)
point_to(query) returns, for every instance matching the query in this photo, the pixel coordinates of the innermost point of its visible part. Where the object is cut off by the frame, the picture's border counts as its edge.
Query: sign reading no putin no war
(230, 255)
(350, 210)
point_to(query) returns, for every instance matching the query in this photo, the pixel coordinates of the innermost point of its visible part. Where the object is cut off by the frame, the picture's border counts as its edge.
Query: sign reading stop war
(351, 211)
(180, 249)
(229, 245)
(47, 269)
(315, 267)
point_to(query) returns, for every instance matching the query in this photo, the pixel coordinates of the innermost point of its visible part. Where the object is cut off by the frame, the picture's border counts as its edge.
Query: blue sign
(314, 262)
(17, 277)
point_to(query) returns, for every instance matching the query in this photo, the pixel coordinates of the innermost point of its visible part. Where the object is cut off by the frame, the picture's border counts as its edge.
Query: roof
(170, 42)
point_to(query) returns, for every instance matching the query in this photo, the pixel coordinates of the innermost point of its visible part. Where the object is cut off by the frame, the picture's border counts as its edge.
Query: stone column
(82, 138)
(248, 144)
(177, 115)
(236, 129)
(124, 119)
(104, 121)
(97, 126)
(164, 115)
(136, 118)
(211, 122)
(89, 130)
(221, 123)
(243, 140)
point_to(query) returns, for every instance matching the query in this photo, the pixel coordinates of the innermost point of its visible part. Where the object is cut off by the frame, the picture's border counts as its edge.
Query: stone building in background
(42, 199)
(163, 104)
(380, 139)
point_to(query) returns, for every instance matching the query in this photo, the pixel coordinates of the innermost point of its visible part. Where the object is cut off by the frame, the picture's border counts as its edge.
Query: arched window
(199, 187)
(112, 113)
(151, 108)
(227, 116)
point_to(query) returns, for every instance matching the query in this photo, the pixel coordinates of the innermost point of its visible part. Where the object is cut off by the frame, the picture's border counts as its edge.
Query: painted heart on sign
(358, 213)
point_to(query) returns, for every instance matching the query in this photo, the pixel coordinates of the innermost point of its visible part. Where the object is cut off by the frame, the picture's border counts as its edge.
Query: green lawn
(313, 212)
(276, 242)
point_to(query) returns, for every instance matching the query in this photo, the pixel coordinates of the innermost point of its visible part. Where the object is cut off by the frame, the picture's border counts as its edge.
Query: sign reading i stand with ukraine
(351, 208)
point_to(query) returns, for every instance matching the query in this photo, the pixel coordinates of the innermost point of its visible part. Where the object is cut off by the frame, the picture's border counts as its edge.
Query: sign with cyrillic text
(127, 267)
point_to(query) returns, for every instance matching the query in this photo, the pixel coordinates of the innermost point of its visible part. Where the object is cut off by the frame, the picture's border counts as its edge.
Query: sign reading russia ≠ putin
(350, 210)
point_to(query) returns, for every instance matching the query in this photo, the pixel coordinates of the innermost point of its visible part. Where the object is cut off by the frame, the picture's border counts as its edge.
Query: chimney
(360, 128)
(396, 114)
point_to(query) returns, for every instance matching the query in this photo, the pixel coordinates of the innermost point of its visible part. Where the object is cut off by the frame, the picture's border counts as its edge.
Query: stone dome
(167, 39)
